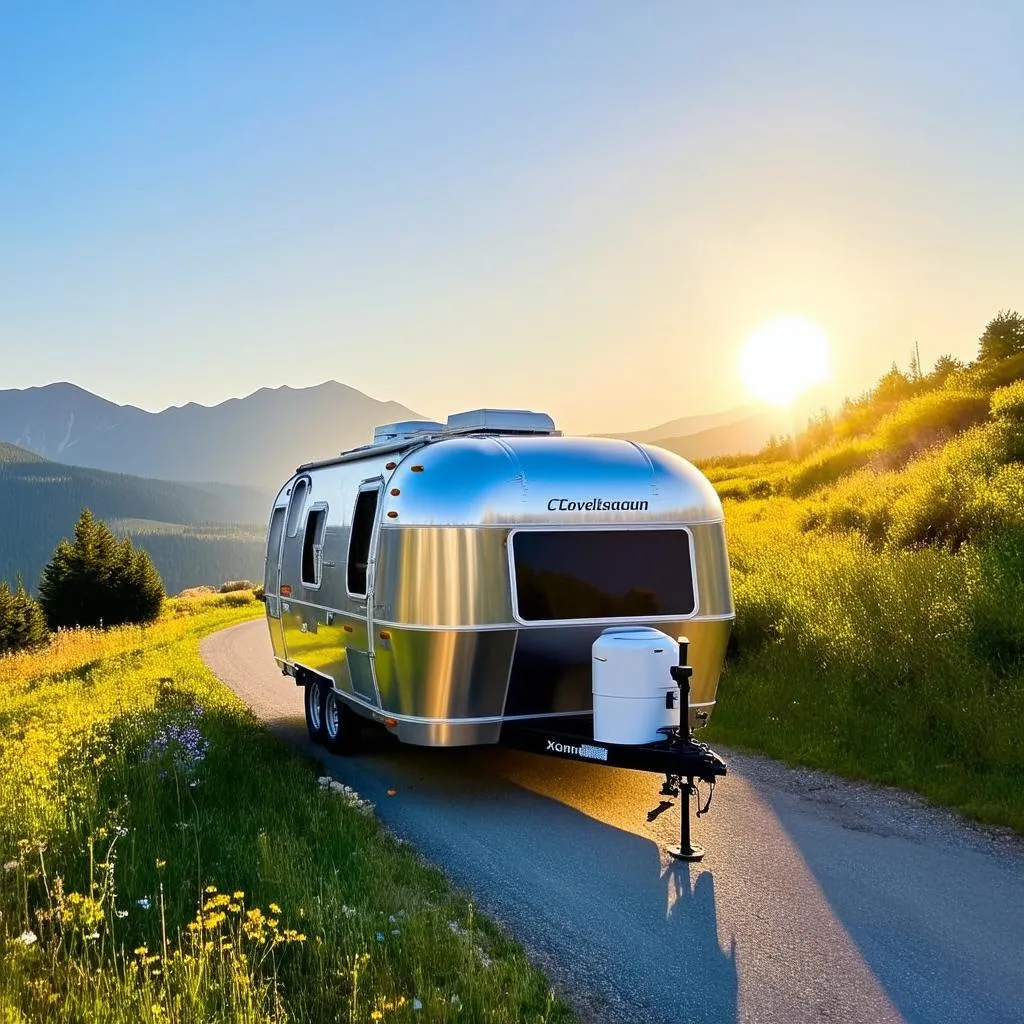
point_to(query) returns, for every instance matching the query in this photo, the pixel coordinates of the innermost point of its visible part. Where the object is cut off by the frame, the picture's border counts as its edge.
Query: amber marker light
(384, 635)
(391, 722)
(395, 492)
(416, 469)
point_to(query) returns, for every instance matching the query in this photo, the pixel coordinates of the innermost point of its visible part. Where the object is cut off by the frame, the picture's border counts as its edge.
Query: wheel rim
(313, 703)
(332, 715)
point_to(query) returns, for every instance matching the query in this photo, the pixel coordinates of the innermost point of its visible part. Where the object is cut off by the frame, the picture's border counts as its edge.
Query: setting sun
(783, 358)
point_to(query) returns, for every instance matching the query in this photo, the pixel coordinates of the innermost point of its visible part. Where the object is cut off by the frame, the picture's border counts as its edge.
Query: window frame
(272, 559)
(601, 528)
(318, 548)
(375, 486)
(307, 485)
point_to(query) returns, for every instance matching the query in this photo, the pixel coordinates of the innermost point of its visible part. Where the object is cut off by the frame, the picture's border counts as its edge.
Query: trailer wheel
(315, 691)
(341, 725)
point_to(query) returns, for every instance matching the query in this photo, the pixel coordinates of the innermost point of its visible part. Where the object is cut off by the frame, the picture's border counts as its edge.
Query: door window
(313, 546)
(363, 519)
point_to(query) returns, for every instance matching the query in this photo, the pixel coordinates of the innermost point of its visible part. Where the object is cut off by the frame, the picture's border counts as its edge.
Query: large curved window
(602, 574)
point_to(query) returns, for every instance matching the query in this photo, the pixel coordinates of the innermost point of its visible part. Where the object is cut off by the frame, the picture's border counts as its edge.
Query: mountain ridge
(237, 441)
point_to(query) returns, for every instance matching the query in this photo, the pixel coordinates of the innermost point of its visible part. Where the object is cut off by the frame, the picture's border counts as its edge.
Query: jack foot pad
(691, 853)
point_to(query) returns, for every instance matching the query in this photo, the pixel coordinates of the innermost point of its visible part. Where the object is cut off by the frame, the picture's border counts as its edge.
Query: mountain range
(254, 441)
(257, 441)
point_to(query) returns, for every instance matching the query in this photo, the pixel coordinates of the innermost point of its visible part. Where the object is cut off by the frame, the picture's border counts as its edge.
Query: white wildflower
(336, 787)
(144, 903)
(11, 865)
(324, 780)
(121, 913)
(92, 935)
(28, 937)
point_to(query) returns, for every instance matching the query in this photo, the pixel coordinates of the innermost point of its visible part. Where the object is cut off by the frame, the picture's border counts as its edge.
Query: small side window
(296, 506)
(359, 542)
(313, 546)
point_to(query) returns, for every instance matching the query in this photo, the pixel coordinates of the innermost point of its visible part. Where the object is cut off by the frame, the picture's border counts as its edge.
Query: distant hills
(743, 429)
(260, 439)
(256, 441)
(40, 501)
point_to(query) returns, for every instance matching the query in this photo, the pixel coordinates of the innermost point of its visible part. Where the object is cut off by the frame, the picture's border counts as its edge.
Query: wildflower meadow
(163, 859)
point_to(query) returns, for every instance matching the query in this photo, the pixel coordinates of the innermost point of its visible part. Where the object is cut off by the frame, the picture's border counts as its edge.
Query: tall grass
(162, 858)
(904, 666)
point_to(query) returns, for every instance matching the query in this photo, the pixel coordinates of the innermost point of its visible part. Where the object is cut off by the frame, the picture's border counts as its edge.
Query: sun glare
(783, 358)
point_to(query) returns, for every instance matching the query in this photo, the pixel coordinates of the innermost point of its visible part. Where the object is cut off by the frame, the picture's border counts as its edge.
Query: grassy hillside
(878, 567)
(40, 502)
(163, 858)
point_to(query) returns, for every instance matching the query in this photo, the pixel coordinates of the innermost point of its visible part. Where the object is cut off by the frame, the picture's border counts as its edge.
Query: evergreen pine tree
(96, 581)
(21, 620)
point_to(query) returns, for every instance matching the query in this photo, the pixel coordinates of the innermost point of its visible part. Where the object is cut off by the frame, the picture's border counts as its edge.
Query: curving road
(819, 900)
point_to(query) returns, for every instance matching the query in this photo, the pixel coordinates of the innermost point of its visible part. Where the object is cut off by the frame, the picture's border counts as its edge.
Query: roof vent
(502, 420)
(403, 430)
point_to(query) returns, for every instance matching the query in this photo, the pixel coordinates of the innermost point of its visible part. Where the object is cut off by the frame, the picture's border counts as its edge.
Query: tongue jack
(682, 674)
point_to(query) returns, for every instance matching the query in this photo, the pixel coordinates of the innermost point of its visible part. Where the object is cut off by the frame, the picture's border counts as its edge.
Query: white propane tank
(631, 678)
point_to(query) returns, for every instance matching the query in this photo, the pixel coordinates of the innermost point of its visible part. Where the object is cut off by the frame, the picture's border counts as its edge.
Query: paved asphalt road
(819, 900)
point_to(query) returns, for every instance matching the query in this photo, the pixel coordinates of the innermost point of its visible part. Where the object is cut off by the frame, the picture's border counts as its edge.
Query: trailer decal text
(595, 505)
(583, 750)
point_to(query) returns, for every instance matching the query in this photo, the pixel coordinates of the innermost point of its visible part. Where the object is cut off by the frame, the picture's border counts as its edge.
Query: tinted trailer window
(602, 574)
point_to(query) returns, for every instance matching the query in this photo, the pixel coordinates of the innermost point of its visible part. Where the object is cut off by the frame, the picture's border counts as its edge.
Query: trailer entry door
(586, 575)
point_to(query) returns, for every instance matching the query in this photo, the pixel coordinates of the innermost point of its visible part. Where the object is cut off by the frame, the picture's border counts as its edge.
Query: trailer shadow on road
(624, 932)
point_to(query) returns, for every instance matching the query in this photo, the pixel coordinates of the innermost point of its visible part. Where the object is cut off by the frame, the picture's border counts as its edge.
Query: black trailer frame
(681, 759)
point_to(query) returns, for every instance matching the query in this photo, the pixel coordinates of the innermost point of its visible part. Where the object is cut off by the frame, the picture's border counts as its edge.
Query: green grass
(218, 881)
(901, 666)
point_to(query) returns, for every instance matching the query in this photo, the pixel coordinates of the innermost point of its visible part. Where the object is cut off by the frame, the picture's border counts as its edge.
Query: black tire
(342, 726)
(314, 692)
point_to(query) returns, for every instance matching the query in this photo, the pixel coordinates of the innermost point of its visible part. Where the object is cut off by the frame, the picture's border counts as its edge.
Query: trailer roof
(405, 435)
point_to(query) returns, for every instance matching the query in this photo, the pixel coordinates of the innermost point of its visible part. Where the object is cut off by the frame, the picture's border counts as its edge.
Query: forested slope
(40, 502)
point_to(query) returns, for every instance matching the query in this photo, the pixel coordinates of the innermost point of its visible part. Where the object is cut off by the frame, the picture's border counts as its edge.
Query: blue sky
(576, 207)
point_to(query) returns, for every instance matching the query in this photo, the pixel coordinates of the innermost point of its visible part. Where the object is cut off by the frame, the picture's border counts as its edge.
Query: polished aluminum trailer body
(394, 571)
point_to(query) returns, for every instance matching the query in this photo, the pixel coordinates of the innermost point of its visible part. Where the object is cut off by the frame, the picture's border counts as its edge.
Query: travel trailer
(488, 580)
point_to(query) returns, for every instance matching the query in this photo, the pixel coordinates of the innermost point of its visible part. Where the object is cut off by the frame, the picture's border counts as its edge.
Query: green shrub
(236, 598)
(22, 625)
(232, 585)
(1008, 402)
(98, 581)
(962, 492)
(829, 465)
(920, 421)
